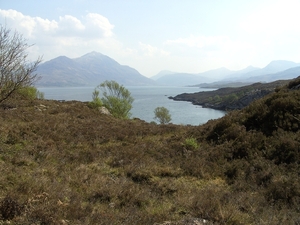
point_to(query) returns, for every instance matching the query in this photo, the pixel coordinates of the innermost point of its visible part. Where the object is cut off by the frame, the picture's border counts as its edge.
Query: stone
(104, 110)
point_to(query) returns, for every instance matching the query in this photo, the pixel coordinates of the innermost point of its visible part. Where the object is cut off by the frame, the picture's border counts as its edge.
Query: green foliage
(191, 143)
(117, 99)
(162, 115)
(280, 110)
(96, 102)
(231, 98)
(30, 93)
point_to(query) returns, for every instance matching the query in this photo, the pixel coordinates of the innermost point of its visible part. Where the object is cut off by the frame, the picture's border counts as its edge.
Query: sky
(190, 36)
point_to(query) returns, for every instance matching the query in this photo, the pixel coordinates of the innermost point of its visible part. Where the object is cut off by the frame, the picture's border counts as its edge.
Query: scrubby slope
(231, 98)
(64, 163)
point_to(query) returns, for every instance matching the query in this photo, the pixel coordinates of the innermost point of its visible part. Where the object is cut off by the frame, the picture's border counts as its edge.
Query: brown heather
(65, 163)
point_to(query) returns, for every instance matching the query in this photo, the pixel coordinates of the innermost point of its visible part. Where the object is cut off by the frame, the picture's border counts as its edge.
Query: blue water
(146, 99)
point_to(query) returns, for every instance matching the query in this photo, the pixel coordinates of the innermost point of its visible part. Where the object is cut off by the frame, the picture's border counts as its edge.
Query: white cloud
(90, 26)
(72, 36)
(70, 26)
(96, 22)
(151, 51)
(68, 35)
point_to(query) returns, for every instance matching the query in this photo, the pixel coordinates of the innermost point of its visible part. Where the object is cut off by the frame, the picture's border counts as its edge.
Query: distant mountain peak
(280, 61)
(89, 69)
(93, 53)
(251, 67)
(281, 64)
(60, 58)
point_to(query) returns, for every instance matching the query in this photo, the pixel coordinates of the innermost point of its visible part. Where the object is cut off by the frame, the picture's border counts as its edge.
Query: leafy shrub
(162, 115)
(219, 128)
(30, 93)
(96, 102)
(285, 148)
(191, 143)
(117, 99)
(277, 111)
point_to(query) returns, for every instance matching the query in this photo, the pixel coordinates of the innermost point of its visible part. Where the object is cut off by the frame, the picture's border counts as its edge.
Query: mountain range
(275, 70)
(88, 70)
(93, 68)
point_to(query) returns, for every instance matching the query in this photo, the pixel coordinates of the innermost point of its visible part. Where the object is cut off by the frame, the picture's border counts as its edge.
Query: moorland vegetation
(65, 163)
(231, 98)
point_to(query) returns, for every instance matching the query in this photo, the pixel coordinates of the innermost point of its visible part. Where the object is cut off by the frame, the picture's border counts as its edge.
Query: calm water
(146, 99)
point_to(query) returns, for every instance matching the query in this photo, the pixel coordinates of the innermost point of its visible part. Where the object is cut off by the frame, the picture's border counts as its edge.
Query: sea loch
(146, 99)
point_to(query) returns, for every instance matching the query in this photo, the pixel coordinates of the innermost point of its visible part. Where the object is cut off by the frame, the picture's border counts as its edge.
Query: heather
(66, 163)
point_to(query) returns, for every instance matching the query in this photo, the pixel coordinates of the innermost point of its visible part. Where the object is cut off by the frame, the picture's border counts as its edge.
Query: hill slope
(88, 70)
(64, 163)
(231, 98)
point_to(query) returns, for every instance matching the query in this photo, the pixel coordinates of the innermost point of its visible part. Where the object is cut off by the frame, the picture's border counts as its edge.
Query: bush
(96, 102)
(30, 93)
(191, 143)
(117, 99)
(162, 115)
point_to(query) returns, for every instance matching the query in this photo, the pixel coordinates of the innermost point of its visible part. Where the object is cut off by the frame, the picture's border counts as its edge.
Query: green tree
(16, 72)
(96, 102)
(116, 98)
(30, 93)
(162, 115)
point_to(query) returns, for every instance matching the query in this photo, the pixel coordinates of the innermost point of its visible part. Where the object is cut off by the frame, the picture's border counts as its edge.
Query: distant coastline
(230, 98)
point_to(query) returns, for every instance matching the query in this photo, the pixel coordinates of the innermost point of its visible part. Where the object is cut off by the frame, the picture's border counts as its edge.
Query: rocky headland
(231, 98)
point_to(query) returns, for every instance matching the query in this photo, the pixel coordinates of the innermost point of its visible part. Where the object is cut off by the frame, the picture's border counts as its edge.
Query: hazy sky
(178, 35)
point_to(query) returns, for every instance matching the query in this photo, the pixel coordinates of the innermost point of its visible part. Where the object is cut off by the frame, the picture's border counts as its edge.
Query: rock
(104, 110)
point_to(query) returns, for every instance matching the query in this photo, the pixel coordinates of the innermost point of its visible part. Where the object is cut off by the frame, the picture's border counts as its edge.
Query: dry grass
(64, 163)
